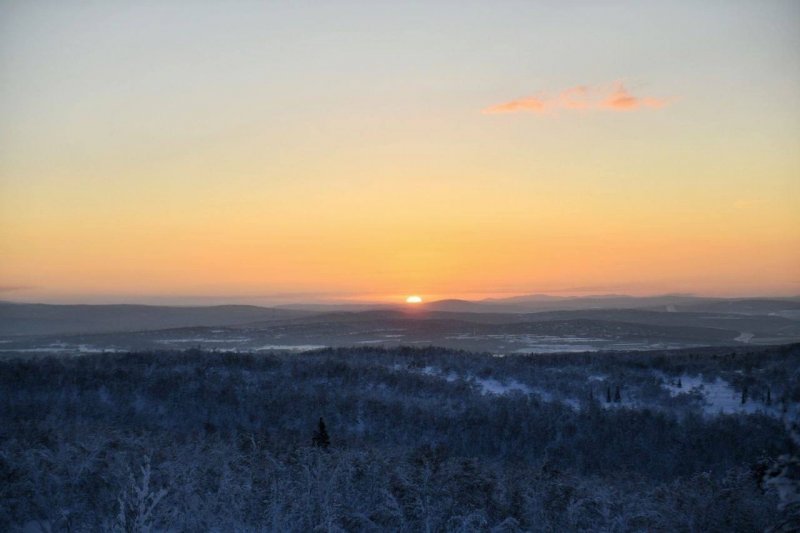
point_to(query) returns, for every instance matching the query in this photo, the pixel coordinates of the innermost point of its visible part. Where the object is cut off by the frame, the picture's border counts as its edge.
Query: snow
(492, 386)
(547, 344)
(496, 387)
(202, 339)
(61, 348)
(289, 347)
(557, 348)
(718, 396)
(433, 371)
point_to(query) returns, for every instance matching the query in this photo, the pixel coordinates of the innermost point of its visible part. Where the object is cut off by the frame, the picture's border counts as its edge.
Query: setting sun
(413, 300)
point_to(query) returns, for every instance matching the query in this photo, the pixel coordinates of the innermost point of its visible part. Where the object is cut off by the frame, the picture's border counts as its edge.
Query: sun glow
(413, 300)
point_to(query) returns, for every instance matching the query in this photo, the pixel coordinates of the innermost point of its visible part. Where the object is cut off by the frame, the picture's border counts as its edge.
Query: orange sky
(221, 156)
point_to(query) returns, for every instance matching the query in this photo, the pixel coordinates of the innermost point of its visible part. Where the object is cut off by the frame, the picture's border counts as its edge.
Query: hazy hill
(746, 306)
(45, 319)
(696, 319)
(541, 302)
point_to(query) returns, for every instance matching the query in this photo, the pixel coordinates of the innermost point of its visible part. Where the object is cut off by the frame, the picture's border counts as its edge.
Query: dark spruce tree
(321, 438)
(617, 397)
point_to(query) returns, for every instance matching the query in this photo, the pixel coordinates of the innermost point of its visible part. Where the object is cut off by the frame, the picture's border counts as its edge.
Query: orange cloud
(579, 98)
(622, 100)
(575, 98)
(531, 104)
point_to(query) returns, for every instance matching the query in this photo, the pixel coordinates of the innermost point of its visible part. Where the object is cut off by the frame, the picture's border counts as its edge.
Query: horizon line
(180, 301)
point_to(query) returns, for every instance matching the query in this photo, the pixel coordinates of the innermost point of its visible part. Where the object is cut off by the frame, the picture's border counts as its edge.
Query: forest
(402, 439)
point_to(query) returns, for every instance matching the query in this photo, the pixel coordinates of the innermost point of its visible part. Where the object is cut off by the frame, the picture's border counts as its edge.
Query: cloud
(532, 104)
(580, 98)
(13, 288)
(622, 100)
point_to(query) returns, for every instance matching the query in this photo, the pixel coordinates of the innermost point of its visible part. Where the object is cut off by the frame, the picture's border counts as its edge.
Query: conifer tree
(617, 396)
(321, 438)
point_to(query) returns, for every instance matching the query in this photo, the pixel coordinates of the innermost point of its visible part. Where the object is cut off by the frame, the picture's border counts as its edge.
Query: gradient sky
(263, 152)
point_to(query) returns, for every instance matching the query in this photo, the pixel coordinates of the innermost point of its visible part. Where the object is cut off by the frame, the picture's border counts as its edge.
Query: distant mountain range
(777, 314)
(667, 302)
(48, 319)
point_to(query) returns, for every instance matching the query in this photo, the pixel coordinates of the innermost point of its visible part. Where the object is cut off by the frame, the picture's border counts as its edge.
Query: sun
(413, 300)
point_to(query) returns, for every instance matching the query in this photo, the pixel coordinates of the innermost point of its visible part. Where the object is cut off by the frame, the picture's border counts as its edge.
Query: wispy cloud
(580, 98)
(622, 100)
(13, 288)
(532, 104)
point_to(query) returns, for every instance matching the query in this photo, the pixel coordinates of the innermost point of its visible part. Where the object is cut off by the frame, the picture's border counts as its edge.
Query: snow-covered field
(287, 347)
(201, 340)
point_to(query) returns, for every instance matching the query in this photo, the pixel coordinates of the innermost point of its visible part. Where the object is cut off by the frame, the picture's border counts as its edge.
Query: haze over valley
(518, 325)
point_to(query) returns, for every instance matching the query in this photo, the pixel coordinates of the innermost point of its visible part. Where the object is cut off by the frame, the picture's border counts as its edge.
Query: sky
(270, 152)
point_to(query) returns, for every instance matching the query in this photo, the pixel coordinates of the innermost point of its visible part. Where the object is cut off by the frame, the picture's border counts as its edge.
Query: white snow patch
(492, 386)
(66, 348)
(718, 396)
(289, 347)
(433, 371)
(200, 339)
(499, 388)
